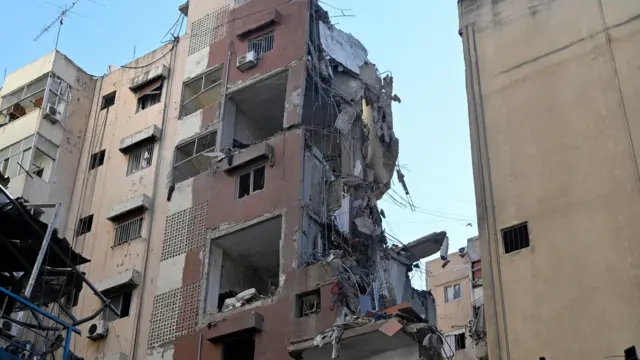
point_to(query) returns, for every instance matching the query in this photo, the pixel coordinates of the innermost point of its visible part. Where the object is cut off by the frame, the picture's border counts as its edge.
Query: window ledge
(148, 76)
(246, 321)
(124, 280)
(131, 204)
(255, 152)
(262, 21)
(152, 132)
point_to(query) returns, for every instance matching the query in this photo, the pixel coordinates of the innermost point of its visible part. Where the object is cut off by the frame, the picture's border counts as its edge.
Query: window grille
(515, 238)
(262, 44)
(128, 231)
(140, 159)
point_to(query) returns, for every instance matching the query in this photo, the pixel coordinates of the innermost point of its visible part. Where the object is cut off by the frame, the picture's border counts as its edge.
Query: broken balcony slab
(422, 247)
(362, 342)
(140, 202)
(343, 47)
(158, 71)
(124, 280)
(261, 151)
(150, 133)
(247, 321)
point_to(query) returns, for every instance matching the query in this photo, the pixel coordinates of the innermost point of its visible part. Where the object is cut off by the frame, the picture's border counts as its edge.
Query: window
(15, 158)
(122, 303)
(140, 159)
(201, 92)
(239, 348)
(515, 238)
(190, 158)
(262, 44)
(84, 225)
(250, 182)
(476, 270)
(128, 230)
(149, 94)
(59, 93)
(23, 101)
(308, 304)
(452, 292)
(108, 100)
(461, 341)
(97, 159)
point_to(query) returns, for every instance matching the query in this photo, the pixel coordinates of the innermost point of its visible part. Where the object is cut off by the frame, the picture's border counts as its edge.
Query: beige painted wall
(97, 190)
(553, 145)
(28, 73)
(455, 314)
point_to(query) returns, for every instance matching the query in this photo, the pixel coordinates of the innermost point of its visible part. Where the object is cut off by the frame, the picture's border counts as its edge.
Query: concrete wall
(28, 73)
(456, 313)
(108, 185)
(553, 121)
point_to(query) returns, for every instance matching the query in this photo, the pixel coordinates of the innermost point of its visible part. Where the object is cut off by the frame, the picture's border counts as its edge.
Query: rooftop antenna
(60, 20)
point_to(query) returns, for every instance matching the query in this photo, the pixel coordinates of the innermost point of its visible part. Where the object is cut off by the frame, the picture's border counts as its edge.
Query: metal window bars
(140, 159)
(128, 231)
(262, 44)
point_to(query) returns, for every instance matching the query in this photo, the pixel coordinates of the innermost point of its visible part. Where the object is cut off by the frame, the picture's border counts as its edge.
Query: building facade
(43, 117)
(225, 188)
(456, 284)
(553, 125)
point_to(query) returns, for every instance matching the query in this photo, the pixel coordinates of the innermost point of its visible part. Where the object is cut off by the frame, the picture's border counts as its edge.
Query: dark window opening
(250, 182)
(84, 225)
(122, 303)
(308, 304)
(149, 95)
(476, 272)
(108, 100)
(256, 111)
(262, 44)
(243, 271)
(460, 340)
(239, 348)
(97, 159)
(515, 238)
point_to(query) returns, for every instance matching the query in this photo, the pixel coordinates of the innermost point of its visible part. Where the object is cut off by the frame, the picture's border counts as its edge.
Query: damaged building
(225, 186)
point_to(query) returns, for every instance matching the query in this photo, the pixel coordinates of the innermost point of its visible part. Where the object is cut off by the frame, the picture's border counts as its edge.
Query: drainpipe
(134, 343)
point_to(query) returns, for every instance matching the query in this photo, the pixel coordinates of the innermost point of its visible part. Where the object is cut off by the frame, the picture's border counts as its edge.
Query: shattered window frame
(19, 95)
(195, 141)
(217, 70)
(121, 301)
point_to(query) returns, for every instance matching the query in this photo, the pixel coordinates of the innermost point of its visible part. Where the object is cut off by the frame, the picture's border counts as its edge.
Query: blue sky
(416, 40)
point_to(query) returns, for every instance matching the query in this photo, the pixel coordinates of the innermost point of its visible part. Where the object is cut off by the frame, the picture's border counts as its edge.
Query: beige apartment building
(456, 284)
(43, 116)
(554, 120)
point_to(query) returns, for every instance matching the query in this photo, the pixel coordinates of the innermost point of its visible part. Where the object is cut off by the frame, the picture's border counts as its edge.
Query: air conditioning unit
(51, 113)
(98, 330)
(477, 282)
(8, 329)
(462, 251)
(247, 61)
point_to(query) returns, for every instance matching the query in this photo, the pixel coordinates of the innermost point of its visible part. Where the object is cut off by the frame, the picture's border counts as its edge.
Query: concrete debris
(348, 86)
(244, 298)
(345, 118)
(366, 226)
(343, 47)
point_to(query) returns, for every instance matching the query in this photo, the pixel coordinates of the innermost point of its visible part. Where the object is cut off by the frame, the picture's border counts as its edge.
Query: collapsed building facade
(226, 191)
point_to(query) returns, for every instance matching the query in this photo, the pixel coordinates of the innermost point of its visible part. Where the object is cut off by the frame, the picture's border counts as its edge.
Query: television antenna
(60, 20)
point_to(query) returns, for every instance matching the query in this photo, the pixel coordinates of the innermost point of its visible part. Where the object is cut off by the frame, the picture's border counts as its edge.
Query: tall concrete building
(225, 188)
(552, 88)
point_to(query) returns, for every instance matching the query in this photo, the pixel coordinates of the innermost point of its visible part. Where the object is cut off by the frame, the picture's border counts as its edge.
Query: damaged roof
(422, 247)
